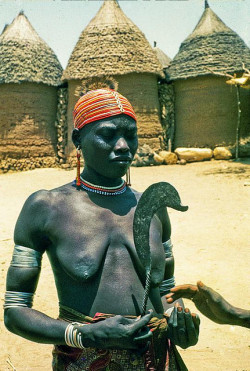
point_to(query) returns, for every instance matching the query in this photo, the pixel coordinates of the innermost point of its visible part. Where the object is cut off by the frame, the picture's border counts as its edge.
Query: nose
(121, 145)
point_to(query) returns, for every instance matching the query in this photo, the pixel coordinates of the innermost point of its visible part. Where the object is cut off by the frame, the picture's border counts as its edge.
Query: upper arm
(30, 229)
(166, 225)
(29, 232)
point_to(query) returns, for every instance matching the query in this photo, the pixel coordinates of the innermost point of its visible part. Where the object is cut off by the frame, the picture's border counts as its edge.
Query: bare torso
(92, 252)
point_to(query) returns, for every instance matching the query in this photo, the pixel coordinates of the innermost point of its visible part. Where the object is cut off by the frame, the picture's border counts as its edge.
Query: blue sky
(169, 22)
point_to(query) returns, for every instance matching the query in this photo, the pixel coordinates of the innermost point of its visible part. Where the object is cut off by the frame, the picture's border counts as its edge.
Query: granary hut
(205, 106)
(112, 45)
(29, 75)
(161, 56)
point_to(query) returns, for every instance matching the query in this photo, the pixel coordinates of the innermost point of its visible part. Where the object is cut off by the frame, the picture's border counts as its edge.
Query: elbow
(9, 321)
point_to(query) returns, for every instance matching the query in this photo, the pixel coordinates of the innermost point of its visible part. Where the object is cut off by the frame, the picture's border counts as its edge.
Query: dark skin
(211, 304)
(88, 238)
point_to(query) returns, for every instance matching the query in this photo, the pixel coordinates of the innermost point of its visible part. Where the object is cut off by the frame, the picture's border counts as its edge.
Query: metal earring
(128, 180)
(78, 166)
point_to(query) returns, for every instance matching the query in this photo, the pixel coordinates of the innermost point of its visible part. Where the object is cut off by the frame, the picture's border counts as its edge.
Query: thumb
(208, 292)
(201, 286)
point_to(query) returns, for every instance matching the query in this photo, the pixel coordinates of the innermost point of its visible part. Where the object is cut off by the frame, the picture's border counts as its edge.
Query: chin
(116, 174)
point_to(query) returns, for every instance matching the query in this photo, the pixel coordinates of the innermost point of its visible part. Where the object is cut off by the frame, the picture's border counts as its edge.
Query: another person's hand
(183, 327)
(118, 332)
(206, 300)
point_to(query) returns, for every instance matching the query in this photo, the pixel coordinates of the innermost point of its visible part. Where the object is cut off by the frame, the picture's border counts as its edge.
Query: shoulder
(40, 204)
(43, 198)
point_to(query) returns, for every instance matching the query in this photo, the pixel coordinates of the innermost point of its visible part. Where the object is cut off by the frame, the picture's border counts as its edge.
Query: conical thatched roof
(211, 46)
(162, 57)
(111, 44)
(25, 57)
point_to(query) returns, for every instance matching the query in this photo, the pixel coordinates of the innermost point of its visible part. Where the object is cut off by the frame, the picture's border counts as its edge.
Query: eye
(131, 134)
(106, 133)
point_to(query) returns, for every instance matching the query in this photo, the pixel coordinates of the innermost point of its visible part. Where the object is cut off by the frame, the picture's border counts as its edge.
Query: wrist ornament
(72, 336)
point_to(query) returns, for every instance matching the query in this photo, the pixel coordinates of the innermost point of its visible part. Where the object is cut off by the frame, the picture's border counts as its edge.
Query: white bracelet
(73, 338)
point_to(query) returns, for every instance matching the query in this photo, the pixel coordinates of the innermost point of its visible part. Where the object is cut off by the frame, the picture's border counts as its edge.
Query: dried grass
(111, 44)
(212, 45)
(25, 57)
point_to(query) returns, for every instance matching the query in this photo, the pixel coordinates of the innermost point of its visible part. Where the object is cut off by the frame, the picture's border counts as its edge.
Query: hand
(117, 333)
(183, 327)
(206, 300)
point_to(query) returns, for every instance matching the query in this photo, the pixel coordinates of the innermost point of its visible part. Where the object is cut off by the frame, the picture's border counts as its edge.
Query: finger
(196, 321)
(173, 296)
(143, 336)
(192, 333)
(172, 324)
(181, 328)
(204, 289)
(140, 323)
(184, 291)
(170, 297)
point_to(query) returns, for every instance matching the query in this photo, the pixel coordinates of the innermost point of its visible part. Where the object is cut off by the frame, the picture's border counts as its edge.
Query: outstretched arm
(211, 304)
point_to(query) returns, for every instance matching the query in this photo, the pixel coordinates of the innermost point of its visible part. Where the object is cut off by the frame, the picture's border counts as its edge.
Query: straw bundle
(211, 46)
(25, 57)
(111, 44)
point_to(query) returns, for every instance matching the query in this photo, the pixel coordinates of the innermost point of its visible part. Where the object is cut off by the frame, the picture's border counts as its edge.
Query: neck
(90, 175)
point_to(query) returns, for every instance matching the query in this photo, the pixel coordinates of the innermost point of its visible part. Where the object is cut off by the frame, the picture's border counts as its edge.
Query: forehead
(114, 122)
(120, 121)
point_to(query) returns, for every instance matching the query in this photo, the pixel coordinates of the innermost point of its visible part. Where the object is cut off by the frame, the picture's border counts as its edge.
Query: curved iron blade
(153, 198)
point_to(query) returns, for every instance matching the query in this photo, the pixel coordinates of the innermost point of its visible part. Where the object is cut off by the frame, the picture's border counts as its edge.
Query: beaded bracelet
(73, 338)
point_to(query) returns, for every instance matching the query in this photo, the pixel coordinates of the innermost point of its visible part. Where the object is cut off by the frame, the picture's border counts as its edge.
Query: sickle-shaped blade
(153, 198)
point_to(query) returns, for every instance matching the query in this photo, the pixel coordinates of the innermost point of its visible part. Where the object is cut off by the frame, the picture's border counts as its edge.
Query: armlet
(167, 285)
(18, 299)
(168, 248)
(24, 257)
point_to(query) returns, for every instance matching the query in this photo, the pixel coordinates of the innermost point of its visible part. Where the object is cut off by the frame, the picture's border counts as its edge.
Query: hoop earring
(78, 166)
(128, 180)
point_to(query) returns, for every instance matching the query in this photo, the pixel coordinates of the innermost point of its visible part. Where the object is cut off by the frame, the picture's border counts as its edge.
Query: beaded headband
(99, 104)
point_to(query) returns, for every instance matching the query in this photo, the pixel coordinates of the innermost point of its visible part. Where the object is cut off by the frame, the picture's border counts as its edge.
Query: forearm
(34, 325)
(240, 317)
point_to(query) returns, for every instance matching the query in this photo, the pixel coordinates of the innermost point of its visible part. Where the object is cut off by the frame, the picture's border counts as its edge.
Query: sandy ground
(210, 243)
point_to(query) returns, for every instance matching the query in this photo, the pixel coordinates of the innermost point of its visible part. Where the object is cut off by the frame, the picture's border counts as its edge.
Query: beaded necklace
(105, 191)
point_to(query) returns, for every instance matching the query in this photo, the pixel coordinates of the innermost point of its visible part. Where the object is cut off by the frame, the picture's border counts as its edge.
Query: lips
(124, 159)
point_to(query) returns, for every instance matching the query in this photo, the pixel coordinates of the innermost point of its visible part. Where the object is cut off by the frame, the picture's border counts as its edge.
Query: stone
(170, 158)
(182, 162)
(65, 166)
(194, 154)
(222, 153)
(158, 159)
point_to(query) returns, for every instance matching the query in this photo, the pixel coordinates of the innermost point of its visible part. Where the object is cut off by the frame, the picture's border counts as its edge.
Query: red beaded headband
(99, 104)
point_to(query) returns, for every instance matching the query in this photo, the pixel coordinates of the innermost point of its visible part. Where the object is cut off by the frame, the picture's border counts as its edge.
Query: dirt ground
(210, 243)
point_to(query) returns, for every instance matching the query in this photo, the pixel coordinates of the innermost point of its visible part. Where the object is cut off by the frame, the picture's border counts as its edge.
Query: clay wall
(142, 91)
(27, 120)
(206, 112)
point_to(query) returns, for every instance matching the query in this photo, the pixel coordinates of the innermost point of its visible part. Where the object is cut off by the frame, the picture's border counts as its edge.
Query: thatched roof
(111, 44)
(162, 57)
(211, 46)
(25, 57)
